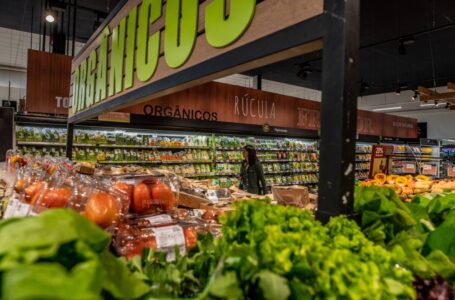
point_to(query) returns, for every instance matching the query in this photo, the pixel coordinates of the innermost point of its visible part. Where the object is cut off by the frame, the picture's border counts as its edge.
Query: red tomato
(19, 186)
(190, 237)
(163, 196)
(142, 199)
(102, 209)
(55, 198)
(33, 190)
(126, 188)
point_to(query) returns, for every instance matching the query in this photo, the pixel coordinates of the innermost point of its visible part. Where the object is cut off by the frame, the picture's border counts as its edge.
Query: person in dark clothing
(252, 177)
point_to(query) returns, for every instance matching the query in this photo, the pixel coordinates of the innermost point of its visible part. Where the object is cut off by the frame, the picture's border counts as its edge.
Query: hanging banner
(219, 102)
(48, 83)
(147, 41)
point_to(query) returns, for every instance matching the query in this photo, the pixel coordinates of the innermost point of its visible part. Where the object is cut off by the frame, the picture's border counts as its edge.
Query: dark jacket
(253, 178)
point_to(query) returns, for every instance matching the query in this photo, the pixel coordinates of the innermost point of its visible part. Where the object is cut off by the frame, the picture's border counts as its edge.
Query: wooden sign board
(146, 43)
(48, 82)
(219, 102)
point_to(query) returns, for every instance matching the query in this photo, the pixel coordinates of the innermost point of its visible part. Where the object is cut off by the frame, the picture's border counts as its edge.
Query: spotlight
(50, 17)
(416, 95)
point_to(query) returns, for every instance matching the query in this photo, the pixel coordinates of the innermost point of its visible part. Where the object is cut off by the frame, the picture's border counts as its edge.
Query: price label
(22, 210)
(409, 168)
(168, 238)
(159, 220)
(451, 171)
(212, 196)
(428, 169)
(11, 207)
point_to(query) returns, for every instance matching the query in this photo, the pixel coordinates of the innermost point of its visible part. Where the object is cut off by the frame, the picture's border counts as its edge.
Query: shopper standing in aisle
(252, 177)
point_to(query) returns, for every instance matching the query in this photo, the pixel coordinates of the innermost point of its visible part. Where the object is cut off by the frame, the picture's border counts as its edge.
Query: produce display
(419, 233)
(276, 252)
(62, 255)
(246, 250)
(409, 186)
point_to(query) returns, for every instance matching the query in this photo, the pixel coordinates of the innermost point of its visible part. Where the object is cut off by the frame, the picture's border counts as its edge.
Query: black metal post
(31, 28)
(74, 27)
(340, 88)
(69, 140)
(67, 50)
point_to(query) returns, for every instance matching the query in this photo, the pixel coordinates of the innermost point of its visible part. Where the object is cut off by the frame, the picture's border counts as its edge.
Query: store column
(340, 85)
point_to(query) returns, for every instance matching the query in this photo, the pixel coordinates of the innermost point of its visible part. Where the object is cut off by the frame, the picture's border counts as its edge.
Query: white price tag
(169, 237)
(212, 196)
(427, 167)
(410, 166)
(11, 207)
(159, 220)
(22, 210)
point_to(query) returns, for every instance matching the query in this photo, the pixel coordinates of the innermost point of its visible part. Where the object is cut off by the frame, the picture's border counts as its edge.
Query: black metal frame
(339, 28)
(340, 88)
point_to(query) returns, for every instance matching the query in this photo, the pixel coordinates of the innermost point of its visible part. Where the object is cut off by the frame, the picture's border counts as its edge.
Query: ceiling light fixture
(50, 17)
(388, 108)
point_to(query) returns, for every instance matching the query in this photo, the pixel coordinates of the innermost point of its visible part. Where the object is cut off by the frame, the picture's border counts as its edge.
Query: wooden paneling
(220, 102)
(48, 76)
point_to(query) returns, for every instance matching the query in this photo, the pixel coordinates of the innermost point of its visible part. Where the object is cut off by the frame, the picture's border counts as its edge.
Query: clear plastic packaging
(131, 240)
(149, 194)
(98, 202)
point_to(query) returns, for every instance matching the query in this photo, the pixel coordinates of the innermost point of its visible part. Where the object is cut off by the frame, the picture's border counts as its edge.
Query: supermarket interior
(227, 149)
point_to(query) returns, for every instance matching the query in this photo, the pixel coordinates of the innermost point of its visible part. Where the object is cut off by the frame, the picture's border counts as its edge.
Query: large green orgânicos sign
(136, 50)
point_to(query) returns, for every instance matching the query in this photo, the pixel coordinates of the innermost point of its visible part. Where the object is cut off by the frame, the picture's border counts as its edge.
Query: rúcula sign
(135, 47)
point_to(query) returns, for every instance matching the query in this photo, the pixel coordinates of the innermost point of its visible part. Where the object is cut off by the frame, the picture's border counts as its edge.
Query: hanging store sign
(150, 40)
(218, 102)
(48, 83)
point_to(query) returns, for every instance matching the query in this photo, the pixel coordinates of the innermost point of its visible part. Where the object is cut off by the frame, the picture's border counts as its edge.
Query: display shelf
(362, 169)
(141, 162)
(291, 172)
(44, 144)
(362, 160)
(203, 161)
(141, 147)
(294, 183)
(269, 149)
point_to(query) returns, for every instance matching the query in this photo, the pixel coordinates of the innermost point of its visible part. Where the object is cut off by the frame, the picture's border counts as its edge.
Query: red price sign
(451, 171)
(409, 168)
(428, 169)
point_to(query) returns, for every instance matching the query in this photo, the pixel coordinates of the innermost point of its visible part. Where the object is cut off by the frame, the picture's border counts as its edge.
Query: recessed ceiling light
(50, 17)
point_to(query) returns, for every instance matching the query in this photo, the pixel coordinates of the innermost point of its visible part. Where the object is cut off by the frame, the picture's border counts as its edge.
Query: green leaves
(420, 233)
(273, 286)
(61, 255)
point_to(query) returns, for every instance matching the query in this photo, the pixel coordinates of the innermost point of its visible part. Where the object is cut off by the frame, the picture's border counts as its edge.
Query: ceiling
(17, 14)
(428, 61)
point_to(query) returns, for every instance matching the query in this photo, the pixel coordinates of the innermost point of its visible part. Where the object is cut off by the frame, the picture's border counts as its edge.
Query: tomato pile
(139, 210)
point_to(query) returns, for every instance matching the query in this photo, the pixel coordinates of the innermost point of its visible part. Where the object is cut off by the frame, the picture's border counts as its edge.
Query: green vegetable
(420, 233)
(61, 255)
(275, 253)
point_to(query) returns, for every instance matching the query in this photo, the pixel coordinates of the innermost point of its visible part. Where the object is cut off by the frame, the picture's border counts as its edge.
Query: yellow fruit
(380, 178)
(422, 178)
(391, 178)
(401, 180)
